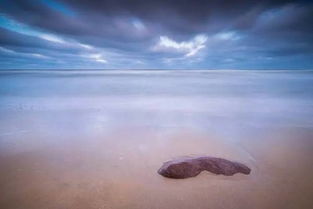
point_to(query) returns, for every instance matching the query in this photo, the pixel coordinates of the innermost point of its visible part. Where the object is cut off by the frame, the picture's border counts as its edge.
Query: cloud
(51, 38)
(10, 52)
(228, 36)
(59, 7)
(5, 50)
(18, 27)
(138, 24)
(97, 58)
(202, 34)
(86, 46)
(188, 48)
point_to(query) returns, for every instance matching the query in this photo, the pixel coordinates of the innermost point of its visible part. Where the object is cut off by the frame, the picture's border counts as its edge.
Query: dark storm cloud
(146, 33)
(185, 16)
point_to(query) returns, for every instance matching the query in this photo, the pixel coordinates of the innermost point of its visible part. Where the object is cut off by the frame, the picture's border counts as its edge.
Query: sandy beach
(119, 171)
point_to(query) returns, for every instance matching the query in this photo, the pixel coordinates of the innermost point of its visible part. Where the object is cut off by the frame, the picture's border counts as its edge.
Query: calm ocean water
(227, 102)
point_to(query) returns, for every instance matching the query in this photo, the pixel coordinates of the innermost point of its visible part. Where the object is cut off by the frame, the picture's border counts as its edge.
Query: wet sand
(119, 170)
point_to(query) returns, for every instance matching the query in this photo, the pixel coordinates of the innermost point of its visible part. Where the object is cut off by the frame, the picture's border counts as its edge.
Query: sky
(156, 34)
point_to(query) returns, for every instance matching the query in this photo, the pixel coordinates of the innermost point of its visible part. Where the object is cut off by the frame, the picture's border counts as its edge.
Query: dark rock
(190, 167)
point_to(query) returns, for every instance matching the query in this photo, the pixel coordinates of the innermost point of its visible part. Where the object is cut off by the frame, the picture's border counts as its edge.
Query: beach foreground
(92, 149)
(119, 171)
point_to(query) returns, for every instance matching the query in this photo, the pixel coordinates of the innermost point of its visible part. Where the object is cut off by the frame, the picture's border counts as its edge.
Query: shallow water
(95, 139)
